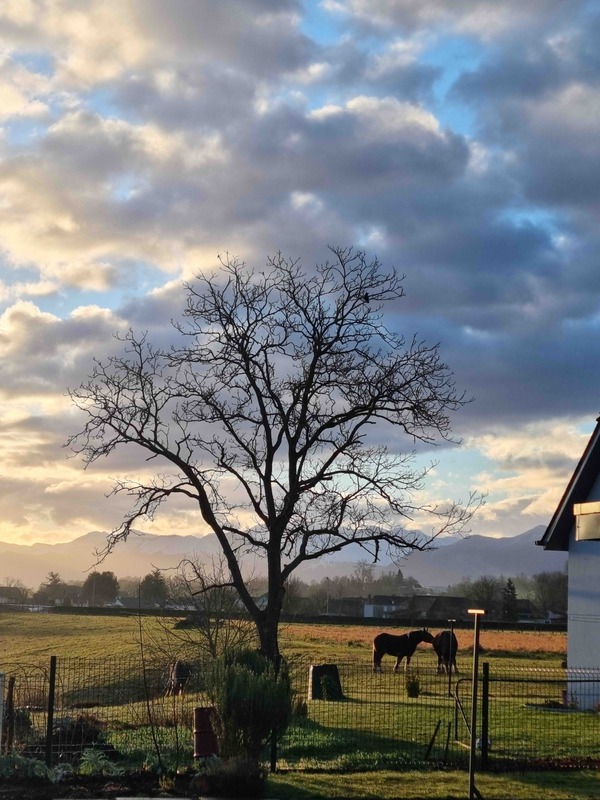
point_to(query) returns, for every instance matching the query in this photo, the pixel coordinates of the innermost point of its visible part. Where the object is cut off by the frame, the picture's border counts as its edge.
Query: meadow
(35, 637)
(334, 751)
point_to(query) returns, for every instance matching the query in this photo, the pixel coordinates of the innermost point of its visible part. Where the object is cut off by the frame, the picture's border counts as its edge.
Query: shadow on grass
(308, 744)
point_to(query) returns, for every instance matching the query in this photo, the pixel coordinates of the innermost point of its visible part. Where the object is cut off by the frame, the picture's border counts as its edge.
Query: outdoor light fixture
(477, 614)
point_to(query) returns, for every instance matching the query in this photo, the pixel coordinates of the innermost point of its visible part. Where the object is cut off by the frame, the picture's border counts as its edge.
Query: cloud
(457, 141)
(482, 18)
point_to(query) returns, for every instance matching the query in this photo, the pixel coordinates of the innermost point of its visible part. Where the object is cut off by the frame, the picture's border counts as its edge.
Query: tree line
(98, 589)
(188, 588)
(500, 596)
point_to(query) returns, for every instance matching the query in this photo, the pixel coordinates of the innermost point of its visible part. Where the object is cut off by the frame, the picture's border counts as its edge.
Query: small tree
(51, 590)
(509, 601)
(215, 621)
(153, 589)
(272, 410)
(550, 592)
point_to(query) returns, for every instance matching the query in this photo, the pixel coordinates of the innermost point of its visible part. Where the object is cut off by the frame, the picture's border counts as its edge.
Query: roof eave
(556, 535)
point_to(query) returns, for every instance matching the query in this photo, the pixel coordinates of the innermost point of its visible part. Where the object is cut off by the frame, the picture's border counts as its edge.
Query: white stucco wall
(583, 646)
(584, 604)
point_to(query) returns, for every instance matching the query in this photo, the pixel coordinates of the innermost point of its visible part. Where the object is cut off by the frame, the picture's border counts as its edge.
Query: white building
(575, 528)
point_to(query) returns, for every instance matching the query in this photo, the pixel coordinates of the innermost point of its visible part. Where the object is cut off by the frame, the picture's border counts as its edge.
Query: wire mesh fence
(345, 716)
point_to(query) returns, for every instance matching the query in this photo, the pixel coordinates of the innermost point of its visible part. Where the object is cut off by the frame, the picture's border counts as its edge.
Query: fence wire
(358, 719)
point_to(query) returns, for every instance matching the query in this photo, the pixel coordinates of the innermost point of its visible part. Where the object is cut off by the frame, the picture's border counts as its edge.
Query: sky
(458, 142)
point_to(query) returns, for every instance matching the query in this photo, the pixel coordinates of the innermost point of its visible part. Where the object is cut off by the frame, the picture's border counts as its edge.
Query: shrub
(299, 707)
(251, 702)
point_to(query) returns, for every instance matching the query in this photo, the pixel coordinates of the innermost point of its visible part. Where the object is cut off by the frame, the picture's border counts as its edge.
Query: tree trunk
(267, 626)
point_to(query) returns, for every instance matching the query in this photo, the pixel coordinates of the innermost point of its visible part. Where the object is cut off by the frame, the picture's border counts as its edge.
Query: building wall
(583, 643)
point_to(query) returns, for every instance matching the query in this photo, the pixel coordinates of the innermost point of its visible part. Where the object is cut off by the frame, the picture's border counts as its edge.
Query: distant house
(526, 611)
(70, 596)
(11, 595)
(575, 528)
(417, 607)
(382, 606)
(345, 606)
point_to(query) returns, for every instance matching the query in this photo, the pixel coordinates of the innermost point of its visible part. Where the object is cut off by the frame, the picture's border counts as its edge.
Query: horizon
(441, 566)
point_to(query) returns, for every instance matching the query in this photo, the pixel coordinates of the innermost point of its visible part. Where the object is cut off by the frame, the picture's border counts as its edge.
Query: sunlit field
(353, 643)
(377, 727)
(31, 637)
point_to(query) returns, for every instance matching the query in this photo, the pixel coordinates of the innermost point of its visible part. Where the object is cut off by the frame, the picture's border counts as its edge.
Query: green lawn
(370, 744)
(451, 785)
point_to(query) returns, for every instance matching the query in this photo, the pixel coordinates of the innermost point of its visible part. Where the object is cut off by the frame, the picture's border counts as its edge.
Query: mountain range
(468, 557)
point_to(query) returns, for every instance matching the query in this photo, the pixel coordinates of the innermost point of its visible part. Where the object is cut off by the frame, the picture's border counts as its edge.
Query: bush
(251, 702)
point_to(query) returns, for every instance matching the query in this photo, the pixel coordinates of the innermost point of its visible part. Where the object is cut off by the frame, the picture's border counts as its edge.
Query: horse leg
(397, 665)
(377, 661)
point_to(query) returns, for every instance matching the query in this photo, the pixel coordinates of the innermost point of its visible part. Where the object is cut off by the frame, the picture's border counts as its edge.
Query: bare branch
(287, 414)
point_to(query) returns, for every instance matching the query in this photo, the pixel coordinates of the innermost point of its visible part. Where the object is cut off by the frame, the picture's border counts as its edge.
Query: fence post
(9, 714)
(273, 765)
(1, 712)
(485, 704)
(50, 717)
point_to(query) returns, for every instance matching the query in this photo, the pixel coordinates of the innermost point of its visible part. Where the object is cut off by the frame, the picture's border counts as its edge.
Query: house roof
(12, 594)
(556, 536)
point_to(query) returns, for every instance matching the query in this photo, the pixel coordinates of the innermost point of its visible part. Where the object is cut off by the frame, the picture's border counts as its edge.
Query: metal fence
(354, 719)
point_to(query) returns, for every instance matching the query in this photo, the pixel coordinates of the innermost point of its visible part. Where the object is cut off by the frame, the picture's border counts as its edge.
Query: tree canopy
(288, 412)
(153, 588)
(100, 588)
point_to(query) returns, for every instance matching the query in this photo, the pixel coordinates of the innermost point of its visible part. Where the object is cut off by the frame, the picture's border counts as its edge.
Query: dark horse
(445, 646)
(402, 646)
(179, 675)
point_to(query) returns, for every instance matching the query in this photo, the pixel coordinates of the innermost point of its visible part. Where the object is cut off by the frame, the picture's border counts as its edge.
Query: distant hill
(450, 563)
(469, 557)
(136, 557)
(483, 555)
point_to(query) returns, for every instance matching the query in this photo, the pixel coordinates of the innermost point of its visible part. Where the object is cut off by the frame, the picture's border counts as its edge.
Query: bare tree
(271, 414)
(215, 622)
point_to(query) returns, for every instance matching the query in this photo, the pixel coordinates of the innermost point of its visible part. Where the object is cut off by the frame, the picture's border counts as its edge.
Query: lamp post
(477, 613)
(451, 656)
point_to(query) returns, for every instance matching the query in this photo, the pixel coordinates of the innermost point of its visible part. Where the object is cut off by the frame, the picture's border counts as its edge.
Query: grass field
(451, 785)
(33, 637)
(354, 643)
(376, 727)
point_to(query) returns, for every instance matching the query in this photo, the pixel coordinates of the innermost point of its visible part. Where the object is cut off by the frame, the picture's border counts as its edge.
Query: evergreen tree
(153, 588)
(509, 601)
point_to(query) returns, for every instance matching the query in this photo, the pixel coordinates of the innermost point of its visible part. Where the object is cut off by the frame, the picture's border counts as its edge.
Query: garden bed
(140, 784)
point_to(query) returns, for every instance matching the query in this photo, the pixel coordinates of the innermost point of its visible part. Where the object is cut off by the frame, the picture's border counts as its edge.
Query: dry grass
(30, 637)
(354, 642)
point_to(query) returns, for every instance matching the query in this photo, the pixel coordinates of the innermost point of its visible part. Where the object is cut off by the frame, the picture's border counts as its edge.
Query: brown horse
(445, 646)
(402, 646)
